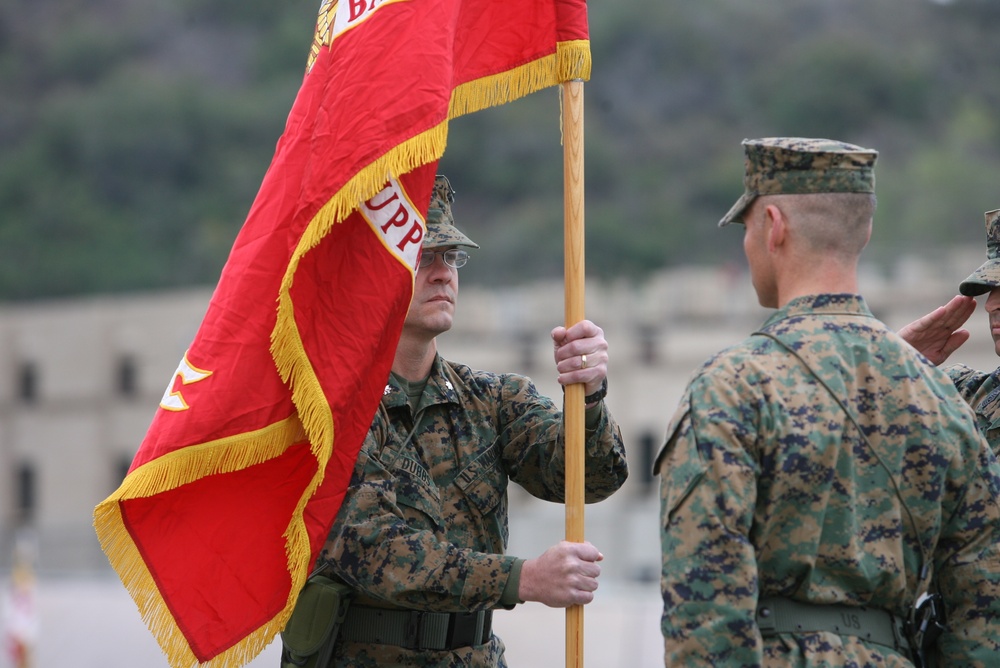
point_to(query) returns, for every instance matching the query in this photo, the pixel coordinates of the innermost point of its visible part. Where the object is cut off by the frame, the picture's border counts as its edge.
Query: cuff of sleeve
(592, 416)
(509, 598)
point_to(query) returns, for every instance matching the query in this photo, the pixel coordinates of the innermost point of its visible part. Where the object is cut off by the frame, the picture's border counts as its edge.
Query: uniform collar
(440, 388)
(824, 304)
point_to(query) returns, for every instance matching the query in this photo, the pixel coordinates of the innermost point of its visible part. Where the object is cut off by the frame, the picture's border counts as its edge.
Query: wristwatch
(597, 396)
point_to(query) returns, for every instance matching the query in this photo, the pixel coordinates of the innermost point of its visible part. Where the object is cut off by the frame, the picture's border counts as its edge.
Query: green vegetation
(134, 135)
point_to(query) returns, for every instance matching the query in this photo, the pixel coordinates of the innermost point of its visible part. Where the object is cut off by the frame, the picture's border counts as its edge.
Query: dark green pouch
(311, 632)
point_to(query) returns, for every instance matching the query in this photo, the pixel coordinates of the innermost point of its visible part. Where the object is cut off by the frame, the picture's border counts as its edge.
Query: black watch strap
(597, 396)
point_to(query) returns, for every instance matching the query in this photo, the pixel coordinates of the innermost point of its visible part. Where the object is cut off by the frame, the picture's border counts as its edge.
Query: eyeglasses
(453, 257)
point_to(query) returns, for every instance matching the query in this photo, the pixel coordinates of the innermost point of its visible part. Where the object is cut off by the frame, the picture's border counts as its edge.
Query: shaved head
(834, 224)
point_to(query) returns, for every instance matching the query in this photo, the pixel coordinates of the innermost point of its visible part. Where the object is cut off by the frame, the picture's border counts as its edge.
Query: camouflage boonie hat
(799, 166)
(987, 276)
(441, 230)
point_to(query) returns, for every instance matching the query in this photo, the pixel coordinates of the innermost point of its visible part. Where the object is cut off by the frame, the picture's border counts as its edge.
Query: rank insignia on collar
(387, 390)
(448, 384)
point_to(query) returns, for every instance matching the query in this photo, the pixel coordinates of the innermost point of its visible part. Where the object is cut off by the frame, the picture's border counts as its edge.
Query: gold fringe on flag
(169, 472)
(570, 61)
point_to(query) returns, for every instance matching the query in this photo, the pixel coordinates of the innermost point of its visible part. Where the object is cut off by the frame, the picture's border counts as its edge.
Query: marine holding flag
(422, 531)
(232, 492)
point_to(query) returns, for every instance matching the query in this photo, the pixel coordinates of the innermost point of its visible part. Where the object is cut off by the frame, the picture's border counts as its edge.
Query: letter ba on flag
(231, 493)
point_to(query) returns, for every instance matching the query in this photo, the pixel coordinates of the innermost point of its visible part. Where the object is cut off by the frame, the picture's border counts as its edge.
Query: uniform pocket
(416, 493)
(483, 481)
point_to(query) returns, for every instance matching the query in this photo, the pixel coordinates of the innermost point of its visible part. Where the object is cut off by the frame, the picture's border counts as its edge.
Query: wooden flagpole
(572, 119)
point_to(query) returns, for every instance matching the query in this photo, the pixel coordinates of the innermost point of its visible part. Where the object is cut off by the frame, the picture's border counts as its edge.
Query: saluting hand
(937, 334)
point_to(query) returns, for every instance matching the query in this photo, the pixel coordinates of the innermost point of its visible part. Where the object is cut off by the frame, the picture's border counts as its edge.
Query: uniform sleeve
(374, 549)
(968, 566)
(966, 379)
(533, 445)
(707, 498)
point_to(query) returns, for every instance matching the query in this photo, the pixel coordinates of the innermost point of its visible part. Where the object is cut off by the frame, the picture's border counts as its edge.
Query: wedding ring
(583, 361)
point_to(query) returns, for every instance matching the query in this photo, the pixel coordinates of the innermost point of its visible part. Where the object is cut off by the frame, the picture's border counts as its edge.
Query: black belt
(417, 630)
(782, 615)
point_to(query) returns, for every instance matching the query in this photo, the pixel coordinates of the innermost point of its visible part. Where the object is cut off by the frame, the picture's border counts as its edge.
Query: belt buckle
(464, 629)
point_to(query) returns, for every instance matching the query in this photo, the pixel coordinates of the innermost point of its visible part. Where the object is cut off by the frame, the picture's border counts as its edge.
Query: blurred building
(80, 380)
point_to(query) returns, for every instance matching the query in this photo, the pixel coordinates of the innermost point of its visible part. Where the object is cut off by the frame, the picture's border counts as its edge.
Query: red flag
(231, 494)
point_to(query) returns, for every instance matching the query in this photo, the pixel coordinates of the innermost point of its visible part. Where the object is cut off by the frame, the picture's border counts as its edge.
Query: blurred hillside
(134, 134)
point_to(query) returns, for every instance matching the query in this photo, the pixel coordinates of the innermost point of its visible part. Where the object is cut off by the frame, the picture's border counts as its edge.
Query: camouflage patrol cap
(798, 166)
(441, 230)
(987, 276)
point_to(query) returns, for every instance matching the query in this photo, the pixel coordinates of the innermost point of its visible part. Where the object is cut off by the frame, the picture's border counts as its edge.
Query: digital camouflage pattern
(987, 277)
(982, 392)
(800, 166)
(424, 522)
(767, 490)
(441, 230)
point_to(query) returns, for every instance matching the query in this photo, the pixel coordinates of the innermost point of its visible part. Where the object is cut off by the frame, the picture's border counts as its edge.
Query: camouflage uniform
(982, 392)
(424, 522)
(769, 491)
(980, 389)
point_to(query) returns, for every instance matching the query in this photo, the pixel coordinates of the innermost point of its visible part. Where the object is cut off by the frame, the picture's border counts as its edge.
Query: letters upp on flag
(232, 491)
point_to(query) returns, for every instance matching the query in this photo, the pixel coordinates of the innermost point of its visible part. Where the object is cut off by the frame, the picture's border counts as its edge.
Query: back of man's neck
(821, 278)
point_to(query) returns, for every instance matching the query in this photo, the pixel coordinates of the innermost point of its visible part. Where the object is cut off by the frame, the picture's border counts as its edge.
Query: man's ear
(777, 227)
